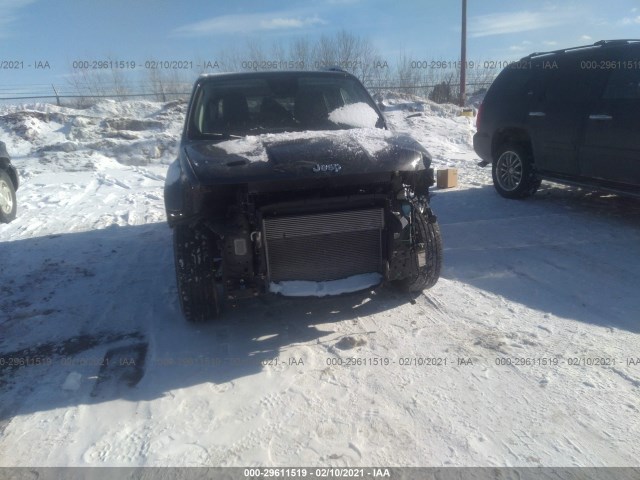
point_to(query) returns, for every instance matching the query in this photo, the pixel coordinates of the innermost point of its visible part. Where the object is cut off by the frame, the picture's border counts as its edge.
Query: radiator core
(324, 246)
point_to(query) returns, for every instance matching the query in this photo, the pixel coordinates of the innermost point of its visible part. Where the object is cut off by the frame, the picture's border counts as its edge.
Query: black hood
(304, 155)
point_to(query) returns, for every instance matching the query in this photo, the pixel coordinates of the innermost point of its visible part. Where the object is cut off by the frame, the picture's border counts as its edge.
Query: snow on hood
(252, 148)
(355, 115)
(249, 147)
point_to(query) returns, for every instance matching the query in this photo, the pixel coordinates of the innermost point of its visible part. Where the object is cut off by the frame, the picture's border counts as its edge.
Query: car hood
(304, 155)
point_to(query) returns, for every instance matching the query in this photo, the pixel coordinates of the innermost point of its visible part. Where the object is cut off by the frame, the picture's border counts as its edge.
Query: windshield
(226, 107)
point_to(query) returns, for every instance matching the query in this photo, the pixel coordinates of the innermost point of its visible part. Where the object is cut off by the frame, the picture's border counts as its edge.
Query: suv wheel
(7, 198)
(195, 250)
(429, 238)
(513, 174)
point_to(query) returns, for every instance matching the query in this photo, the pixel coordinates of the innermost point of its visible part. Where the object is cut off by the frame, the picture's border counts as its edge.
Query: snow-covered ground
(492, 367)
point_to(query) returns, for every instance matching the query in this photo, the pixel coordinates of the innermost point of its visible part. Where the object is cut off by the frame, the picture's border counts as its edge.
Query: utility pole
(463, 54)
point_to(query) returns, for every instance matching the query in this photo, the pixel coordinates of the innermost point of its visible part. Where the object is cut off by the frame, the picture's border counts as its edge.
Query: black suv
(291, 183)
(570, 116)
(8, 186)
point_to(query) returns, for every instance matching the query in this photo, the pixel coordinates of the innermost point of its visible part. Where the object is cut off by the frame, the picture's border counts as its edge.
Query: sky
(42, 38)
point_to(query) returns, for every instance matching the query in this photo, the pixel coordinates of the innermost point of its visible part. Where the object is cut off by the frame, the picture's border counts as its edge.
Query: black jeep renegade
(286, 180)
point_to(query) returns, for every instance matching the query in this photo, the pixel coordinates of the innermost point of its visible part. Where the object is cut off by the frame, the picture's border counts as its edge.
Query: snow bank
(132, 133)
(444, 133)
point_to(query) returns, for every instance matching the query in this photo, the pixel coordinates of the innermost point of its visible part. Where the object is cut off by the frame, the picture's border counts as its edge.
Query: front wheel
(426, 255)
(194, 250)
(7, 198)
(513, 173)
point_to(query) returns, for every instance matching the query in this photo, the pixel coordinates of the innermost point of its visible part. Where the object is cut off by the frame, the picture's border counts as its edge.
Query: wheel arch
(6, 167)
(512, 136)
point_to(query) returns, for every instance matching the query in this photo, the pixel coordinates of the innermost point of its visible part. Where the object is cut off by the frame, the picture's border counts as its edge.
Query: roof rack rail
(600, 43)
(333, 69)
(616, 41)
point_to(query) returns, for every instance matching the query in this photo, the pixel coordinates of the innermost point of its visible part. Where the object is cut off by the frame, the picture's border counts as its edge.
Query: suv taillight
(478, 115)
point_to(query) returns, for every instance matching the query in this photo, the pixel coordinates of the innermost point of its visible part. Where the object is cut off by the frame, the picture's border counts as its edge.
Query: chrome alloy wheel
(6, 198)
(509, 170)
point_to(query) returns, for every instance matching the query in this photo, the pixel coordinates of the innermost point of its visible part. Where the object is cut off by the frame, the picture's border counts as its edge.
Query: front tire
(427, 255)
(513, 173)
(8, 203)
(194, 251)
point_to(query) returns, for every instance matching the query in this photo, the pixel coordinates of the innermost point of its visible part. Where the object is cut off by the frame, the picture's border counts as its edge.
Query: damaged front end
(340, 238)
(291, 183)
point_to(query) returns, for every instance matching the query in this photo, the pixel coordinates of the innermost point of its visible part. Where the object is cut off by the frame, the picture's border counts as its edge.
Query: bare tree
(278, 54)
(406, 75)
(301, 53)
(88, 85)
(256, 56)
(121, 83)
(105, 78)
(231, 59)
(355, 54)
(324, 53)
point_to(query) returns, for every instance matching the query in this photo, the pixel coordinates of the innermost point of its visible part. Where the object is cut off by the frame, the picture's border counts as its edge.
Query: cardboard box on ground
(447, 178)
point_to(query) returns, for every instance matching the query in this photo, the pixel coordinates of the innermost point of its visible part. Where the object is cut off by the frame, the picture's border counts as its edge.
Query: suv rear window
(513, 81)
(565, 80)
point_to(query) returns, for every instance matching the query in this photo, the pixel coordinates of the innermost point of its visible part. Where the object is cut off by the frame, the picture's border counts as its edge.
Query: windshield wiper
(260, 130)
(221, 135)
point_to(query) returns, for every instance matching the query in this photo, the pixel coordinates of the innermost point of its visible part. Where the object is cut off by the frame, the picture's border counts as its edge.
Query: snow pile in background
(442, 130)
(355, 115)
(476, 99)
(300, 288)
(82, 169)
(131, 133)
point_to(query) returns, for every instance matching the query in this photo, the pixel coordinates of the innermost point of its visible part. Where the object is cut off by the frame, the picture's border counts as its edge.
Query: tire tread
(195, 273)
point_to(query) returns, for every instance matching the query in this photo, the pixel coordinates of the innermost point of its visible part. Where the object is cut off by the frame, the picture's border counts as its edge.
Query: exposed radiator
(324, 246)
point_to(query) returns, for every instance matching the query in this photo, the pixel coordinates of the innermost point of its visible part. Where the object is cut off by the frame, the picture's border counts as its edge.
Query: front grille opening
(326, 246)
